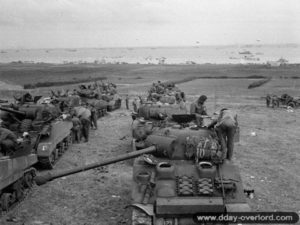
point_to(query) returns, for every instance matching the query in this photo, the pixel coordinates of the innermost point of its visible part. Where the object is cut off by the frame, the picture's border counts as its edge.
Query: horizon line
(168, 46)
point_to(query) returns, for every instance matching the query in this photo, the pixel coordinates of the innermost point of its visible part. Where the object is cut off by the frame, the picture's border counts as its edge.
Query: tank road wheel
(56, 152)
(60, 149)
(70, 139)
(51, 160)
(6, 201)
(292, 104)
(28, 180)
(140, 218)
(66, 144)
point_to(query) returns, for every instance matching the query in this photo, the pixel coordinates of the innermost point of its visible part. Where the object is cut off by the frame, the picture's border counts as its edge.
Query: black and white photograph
(149, 112)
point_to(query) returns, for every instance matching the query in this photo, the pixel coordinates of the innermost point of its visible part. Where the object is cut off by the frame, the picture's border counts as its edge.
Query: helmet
(202, 98)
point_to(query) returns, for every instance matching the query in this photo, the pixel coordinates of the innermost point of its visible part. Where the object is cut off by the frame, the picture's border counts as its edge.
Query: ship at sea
(245, 53)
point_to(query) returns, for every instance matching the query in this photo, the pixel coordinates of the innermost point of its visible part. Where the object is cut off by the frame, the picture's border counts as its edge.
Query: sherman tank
(99, 105)
(187, 175)
(105, 94)
(179, 173)
(164, 101)
(16, 173)
(165, 92)
(44, 123)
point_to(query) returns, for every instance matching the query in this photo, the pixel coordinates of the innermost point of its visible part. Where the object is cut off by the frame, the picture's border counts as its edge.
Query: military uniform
(76, 129)
(127, 102)
(135, 107)
(8, 141)
(226, 126)
(94, 117)
(84, 115)
(198, 109)
(268, 100)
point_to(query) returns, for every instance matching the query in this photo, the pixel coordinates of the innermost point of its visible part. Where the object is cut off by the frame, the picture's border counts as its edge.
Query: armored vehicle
(165, 92)
(179, 173)
(164, 100)
(44, 123)
(101, 106)
(284, 100)
(16, 173)
(106, 96)
(188, 176)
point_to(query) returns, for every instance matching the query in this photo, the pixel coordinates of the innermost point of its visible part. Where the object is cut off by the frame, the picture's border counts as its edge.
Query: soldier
(8, 141)
(93, 116)
(198, 109)
(225, 126)
(268, 100)
(84, 115)
(76, 129)
(127, 101)
(135, 103)
(141, 100)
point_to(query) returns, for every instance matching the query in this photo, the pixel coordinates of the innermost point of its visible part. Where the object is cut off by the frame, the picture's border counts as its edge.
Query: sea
(233, 54)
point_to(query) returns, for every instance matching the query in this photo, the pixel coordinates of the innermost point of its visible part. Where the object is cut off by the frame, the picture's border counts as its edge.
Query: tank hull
(51, 147)
(189, 175)
(168, 201)
(16, 176)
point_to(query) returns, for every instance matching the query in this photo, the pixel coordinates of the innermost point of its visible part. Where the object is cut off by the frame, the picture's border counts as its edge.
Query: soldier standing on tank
(127, 102)
(198, 109)
(8, 141)
(225, 126)
(76, 129)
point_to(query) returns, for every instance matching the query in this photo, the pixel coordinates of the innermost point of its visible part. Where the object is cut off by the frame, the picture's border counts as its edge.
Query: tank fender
(148, 208)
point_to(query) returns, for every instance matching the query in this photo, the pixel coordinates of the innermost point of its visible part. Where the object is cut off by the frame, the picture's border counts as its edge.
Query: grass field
(33, 73)
(268, 160)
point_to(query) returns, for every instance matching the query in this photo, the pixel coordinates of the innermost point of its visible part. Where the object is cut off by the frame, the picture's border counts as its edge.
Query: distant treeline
(62, 83)
(259, 83)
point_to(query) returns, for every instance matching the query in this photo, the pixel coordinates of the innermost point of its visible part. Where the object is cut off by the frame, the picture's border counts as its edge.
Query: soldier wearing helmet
(199, 109)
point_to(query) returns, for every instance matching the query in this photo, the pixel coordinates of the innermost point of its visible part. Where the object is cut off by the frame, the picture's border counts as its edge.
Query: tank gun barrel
(13, 111)
(42, 179)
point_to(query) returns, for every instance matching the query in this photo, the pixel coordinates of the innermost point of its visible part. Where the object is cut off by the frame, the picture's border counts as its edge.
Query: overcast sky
(116, 23)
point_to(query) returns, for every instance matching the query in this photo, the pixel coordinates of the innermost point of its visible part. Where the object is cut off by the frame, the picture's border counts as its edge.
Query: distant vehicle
(284, 100)
(245, 53)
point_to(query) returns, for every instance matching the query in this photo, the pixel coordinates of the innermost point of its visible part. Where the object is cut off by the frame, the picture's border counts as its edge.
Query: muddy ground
(267, 155)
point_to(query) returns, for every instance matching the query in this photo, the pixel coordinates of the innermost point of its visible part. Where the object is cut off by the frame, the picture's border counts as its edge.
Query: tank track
(13, 202)
(49, 162)
(140, 218)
